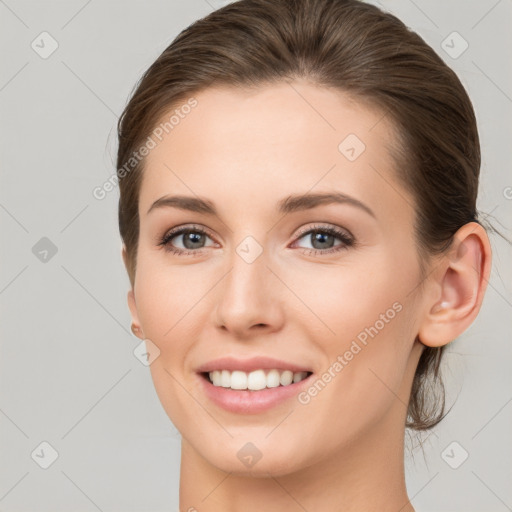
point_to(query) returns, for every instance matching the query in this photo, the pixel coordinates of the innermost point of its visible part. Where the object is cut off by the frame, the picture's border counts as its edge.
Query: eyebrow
(287, 205)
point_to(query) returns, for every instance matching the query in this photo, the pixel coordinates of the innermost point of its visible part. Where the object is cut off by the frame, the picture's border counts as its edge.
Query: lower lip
(250, 402)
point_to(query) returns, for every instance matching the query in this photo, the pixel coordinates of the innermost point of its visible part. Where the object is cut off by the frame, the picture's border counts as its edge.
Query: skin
(245, 151)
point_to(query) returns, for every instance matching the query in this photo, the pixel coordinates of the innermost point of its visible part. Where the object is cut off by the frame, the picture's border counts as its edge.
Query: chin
(257, 458)
(272, 466)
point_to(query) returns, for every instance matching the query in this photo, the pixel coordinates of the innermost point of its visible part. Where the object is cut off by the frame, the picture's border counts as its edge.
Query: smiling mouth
(255, 380)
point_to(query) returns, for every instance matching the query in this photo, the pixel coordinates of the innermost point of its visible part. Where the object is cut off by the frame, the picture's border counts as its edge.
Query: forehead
(261, 142)
(270, 115)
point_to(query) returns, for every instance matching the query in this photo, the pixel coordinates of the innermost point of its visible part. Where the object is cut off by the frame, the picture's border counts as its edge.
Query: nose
(249, 300)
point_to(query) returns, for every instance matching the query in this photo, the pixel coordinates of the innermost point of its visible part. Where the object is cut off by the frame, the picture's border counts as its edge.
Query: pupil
(193, 238)
(322, 238)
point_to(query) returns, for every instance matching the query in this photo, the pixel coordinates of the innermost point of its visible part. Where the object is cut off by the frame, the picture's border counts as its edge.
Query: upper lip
(248, 365)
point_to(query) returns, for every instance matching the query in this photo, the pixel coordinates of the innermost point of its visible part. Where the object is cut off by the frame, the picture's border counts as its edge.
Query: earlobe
(123, 255)
(132, 305)
(460, 284)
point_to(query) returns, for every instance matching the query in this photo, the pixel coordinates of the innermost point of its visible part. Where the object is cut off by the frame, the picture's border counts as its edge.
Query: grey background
(68, 375)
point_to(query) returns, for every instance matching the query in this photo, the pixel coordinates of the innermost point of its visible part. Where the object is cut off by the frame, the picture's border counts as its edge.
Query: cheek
(364, 317)
(174, 304)
(346, 301)
(166, 296)
(170, 303)
(365, 382)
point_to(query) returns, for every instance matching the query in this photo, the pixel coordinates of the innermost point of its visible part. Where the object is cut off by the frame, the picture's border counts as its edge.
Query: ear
(123, 255)
(132, 305)
(459, 285)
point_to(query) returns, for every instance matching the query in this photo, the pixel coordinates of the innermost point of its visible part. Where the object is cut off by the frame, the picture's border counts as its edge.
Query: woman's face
(323, 286)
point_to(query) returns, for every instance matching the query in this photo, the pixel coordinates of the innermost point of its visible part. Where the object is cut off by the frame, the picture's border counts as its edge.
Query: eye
(192, 240)
(323, 238)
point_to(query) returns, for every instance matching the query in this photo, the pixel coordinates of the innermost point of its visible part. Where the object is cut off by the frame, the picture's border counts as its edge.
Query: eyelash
(347, 240)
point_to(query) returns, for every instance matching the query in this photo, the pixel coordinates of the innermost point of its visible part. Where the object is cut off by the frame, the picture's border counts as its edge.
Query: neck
(367, 475)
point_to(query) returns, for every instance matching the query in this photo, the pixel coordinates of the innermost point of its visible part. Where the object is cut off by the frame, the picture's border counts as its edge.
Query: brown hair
(359, 50)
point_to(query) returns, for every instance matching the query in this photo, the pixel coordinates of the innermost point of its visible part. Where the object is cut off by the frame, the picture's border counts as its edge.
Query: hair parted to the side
(360, 50)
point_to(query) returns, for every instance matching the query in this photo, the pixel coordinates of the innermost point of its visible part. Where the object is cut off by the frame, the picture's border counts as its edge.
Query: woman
(298, 187)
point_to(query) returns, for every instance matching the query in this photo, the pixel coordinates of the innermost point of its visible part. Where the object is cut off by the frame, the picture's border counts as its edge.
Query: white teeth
(256, 379)
(286, 378)
(297, 377)
(215, 377)
(225, 379)
(238, 380)
(273, 379)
